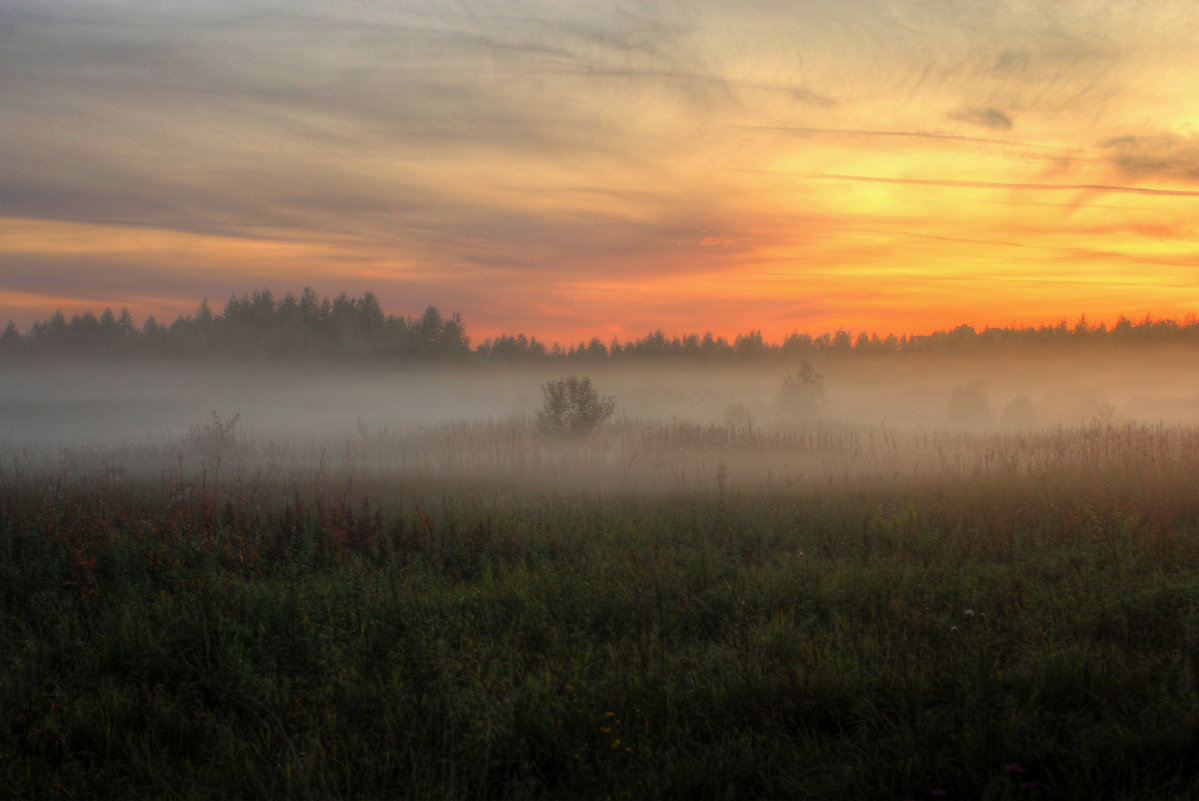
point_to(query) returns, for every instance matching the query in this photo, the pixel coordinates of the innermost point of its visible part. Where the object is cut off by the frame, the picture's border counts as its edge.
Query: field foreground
(659, 611)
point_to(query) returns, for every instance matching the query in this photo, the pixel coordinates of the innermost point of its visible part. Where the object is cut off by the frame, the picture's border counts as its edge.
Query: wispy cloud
(1155, 155)
(986, 117)
(866, 133)
(1131, 190)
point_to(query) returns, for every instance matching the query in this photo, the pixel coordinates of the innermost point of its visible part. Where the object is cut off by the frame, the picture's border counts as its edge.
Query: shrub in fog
(803, 390)
(968, 403)
(572, 406)
(738, 415)
(1020, 412)
(215, 437)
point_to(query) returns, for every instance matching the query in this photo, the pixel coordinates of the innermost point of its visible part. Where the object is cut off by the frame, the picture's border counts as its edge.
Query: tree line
(260, 326)
(251, 327)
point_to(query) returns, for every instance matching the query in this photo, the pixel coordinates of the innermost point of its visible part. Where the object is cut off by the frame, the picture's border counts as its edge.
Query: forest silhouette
(259, 326)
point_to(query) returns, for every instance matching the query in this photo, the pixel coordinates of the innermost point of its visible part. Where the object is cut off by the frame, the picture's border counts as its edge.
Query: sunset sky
(568, 169)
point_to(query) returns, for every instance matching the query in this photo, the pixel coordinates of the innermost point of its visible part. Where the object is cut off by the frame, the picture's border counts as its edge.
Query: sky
(572, 169)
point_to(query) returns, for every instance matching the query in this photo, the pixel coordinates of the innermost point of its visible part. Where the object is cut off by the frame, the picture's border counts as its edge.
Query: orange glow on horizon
(833, 280)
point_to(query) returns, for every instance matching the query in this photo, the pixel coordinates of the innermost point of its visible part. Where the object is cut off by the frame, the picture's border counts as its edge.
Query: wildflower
(1013, 768)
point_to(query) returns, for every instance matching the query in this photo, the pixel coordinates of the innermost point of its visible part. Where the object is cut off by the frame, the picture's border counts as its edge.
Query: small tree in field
(572, 406)
(803, 391)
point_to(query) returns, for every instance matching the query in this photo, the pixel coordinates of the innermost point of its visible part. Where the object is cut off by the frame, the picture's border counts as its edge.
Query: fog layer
(675, 425)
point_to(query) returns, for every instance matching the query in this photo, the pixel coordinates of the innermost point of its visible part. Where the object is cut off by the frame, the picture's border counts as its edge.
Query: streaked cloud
(986, 117)
(946, 182)
(1162, 155)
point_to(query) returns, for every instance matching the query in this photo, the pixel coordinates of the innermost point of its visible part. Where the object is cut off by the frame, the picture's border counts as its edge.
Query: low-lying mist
(676, 425)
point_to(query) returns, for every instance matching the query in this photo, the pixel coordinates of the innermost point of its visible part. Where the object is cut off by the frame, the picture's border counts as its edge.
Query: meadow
(668, 608)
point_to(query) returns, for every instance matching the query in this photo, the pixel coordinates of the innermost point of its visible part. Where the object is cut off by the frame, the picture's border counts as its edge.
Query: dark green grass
(291, 637)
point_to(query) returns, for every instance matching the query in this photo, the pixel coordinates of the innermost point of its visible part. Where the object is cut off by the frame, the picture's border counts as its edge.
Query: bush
(572, 406)
(803, 390)
(968, 404)
(215, 437)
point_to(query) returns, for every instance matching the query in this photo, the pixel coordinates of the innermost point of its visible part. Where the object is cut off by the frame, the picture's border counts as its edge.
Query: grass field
(661, 610)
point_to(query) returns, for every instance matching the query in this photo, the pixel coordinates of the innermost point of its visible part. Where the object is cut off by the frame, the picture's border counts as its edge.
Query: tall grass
(670, 611)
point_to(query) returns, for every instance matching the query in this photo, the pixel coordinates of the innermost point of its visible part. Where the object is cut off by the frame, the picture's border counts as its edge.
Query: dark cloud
(99, 280)
(271, 199)
(1162, 155)
(208, 115)
(986, 117)
(802, 95)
